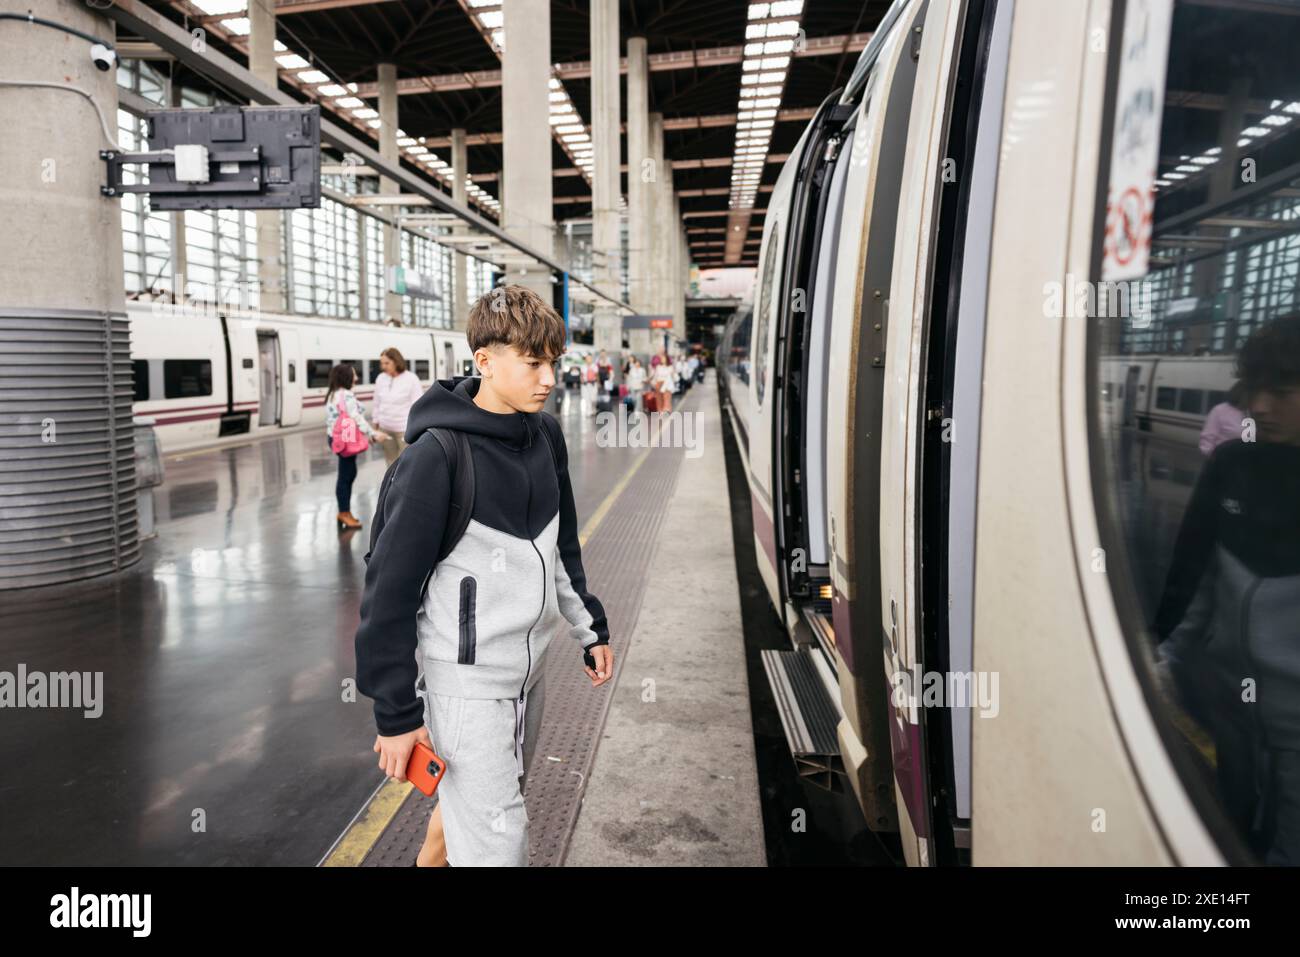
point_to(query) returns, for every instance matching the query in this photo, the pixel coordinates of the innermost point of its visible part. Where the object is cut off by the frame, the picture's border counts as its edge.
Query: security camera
(102, 56)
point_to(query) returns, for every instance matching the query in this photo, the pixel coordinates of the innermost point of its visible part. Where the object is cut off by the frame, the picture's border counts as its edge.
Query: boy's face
(1276, 412)
(521, 382)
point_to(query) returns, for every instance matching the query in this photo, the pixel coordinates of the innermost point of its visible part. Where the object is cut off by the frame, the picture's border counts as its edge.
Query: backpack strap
(460, 463)
(455, 445)
(555, 460)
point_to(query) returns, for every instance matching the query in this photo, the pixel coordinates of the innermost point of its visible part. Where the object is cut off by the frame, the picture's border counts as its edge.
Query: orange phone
(425, 769)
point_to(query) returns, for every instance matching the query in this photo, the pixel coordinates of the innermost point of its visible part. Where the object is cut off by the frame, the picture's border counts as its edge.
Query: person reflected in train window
(340, 399)
(1224, 421)
(396, 390)
(1227, 620)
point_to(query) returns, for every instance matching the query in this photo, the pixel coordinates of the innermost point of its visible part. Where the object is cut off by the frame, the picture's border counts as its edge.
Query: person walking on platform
(348, 443)
(476, 593)
(664, 382)
(635, 377)
(605, 368)
(396, 390)
(590, 378)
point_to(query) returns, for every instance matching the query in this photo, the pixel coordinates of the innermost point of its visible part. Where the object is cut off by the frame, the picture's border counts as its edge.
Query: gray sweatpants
(488, 744)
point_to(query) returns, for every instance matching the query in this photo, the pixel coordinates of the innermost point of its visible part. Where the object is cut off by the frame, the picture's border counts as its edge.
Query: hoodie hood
(449, 404)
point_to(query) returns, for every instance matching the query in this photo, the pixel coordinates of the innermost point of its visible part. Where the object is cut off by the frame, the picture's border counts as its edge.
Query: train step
(808, 714)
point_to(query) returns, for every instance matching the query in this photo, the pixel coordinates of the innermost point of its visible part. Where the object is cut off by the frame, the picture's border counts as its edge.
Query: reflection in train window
(1189, 400)
(1200, 512)
(375, 368)
(739, 358)
(766, 306)
(318, 373)
(140, 380)
(422, 369)
(183, 378)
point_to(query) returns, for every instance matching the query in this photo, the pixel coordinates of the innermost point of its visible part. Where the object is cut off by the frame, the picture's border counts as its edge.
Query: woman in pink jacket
(1224, 421)
(396, 390)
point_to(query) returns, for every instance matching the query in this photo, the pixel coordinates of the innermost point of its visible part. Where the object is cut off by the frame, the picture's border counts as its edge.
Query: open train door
(291, 374)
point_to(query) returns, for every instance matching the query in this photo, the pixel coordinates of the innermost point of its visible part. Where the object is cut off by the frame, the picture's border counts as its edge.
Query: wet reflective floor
(225, 736)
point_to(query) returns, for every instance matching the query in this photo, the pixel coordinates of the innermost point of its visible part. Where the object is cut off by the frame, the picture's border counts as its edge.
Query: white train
(947, 517)
(203, 375)
(1168, 396)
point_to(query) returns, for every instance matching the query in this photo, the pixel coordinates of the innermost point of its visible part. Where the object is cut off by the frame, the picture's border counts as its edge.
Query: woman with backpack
(346, 429)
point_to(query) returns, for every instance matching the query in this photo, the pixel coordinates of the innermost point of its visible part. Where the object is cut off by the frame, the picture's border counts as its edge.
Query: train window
(358, 367)
(375, 369)
(1189, 400)
(744, 336)
(1200, 514)
(766, 305)
(422, 369)
(318, 373)
(293, 371)
(184, 378)
(140, 380)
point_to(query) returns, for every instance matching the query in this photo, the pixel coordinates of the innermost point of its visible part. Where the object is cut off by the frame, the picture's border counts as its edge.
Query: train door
(904, 428)
(268, 378)
(799, 381)
(884, 81)
(949, 443)
(290, 378)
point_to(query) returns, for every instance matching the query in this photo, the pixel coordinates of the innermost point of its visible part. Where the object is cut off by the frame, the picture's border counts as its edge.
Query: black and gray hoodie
(482, 618)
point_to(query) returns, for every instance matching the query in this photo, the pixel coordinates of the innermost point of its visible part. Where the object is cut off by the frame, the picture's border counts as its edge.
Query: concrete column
(677, 288)
(459, 266)
(388, 150)
(272, 292)
(525, 120)
(605, 178)
(639, 192)
(659, 248)
(65, 381)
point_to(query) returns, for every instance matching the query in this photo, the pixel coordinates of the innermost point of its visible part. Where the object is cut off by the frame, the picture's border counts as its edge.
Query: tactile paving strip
(617, 559)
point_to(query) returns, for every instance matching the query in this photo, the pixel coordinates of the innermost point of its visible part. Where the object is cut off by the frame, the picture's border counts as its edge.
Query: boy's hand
(604, 656)
(395, 751)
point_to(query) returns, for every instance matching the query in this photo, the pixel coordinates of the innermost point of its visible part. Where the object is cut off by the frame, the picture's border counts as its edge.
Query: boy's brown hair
(516, 316)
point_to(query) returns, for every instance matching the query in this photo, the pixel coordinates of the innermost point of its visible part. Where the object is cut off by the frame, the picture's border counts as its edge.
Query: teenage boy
(1232, 599)
(483, 618)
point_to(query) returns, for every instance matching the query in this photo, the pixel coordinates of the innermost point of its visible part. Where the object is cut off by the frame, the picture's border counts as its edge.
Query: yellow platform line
(364, 830)
(378, 812)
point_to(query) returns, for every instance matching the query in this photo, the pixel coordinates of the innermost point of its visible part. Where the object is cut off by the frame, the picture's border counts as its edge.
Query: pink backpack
(347, 439)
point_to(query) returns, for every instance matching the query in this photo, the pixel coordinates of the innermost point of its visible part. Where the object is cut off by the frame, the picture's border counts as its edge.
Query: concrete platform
(674, 782)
